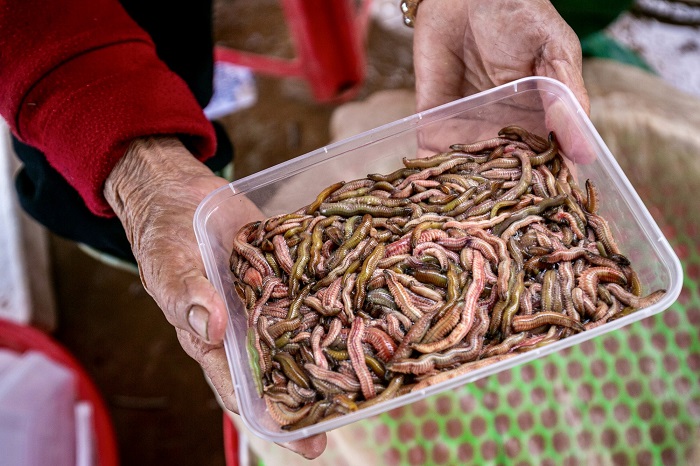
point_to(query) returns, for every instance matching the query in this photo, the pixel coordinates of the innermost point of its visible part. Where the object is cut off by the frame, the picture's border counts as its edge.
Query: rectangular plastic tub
(537, 104)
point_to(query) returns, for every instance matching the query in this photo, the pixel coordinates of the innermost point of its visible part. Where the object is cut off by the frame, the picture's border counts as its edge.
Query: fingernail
(198, 317)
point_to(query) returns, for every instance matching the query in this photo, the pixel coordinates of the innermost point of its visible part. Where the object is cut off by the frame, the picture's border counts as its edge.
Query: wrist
(146, 164)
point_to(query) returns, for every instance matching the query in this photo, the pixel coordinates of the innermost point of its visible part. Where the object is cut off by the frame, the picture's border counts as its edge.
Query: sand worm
(398, 282)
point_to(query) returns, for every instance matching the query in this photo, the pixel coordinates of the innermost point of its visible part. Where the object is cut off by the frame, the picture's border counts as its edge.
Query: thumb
(194, 303)
(155, 190)
(310, 447)
(437, 60)
(570, 75)
(172, 272)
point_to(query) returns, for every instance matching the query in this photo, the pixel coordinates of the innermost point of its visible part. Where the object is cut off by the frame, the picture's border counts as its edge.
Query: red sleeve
(79, 80)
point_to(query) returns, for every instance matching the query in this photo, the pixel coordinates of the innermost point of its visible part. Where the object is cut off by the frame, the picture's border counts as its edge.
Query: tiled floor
(163, 411)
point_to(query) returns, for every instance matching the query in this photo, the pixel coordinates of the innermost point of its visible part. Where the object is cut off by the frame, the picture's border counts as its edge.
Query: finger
(571, 74)
(198, 307)
(173, 275)
(562, 60)
(439, 67)
(212, 359)
(172, 270)
(310, 447)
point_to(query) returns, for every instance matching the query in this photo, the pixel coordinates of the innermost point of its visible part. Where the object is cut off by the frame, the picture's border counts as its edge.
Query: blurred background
(161, 407)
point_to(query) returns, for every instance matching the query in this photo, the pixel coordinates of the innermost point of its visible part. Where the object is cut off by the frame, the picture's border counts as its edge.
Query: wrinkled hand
(154, 190)
(466, 46)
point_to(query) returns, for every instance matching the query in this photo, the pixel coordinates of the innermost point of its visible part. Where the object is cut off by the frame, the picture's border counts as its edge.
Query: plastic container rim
(304, 162)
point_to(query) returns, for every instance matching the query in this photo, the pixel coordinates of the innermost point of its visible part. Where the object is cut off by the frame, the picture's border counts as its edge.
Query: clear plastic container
(537, 104)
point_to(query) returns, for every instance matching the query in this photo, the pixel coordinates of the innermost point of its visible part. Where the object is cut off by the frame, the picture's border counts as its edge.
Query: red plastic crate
(328, 38)
(20, 338)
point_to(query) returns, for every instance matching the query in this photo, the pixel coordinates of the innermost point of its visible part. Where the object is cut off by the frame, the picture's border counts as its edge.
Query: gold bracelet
(409, 8)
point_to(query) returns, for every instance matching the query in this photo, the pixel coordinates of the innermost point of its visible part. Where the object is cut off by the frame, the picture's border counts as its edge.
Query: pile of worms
(393, 283)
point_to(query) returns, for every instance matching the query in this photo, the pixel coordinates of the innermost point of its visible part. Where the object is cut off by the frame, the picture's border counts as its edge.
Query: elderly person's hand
(154, 190)
(466, 46)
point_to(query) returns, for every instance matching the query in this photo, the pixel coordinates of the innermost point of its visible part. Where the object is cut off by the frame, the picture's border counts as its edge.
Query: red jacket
(79, 80)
